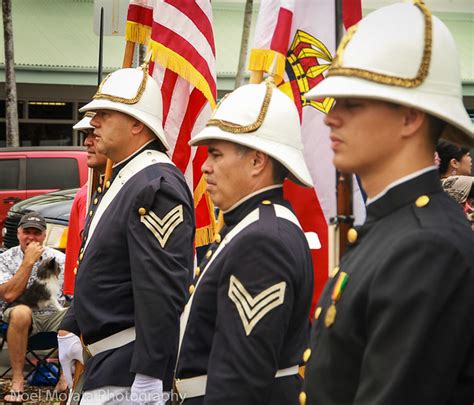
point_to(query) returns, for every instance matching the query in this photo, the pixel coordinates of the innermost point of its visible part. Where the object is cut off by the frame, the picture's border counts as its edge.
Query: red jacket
(74, 238)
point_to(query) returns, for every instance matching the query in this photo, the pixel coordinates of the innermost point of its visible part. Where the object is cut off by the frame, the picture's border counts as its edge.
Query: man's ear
(137, 127)
(413, 120)
(259, 161)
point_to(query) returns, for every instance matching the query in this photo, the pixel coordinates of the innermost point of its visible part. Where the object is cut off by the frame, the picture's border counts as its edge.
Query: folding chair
(45, 342)
(42, 363)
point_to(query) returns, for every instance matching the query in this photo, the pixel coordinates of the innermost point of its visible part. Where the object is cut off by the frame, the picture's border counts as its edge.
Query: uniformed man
(136, 259)
(246, 324)
(395, 323)
(96, 162)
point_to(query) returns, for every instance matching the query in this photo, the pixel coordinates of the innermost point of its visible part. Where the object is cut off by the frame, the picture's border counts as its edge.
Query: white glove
(70, 349)
(147, 390)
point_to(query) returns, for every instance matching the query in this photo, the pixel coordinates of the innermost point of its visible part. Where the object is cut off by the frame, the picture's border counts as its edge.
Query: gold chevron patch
(253, 309)
(163, 228)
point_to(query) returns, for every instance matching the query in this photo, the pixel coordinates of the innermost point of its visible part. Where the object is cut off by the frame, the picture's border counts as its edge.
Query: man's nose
(332, 118)
(94, 122)
(89, 140)
(206, 168)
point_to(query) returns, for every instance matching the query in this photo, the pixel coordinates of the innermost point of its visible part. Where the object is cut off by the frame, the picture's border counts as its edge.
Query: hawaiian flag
(295, 40)
(180, 36)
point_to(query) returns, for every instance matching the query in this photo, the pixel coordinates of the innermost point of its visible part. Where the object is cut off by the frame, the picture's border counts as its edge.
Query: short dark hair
(446, 152)
(279, 171)
(241, 149)
(161, 147)
(153, 136)
(435, 128)
(435, 125)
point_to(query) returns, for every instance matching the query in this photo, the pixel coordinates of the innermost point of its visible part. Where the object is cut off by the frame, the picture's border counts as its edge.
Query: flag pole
(127, 62)
(256, 76)
(93, 175)
(344, 219)
(101, 47)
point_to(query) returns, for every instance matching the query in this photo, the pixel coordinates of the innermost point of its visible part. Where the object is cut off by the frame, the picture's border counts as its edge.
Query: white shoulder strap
(138, 163)
(280, 211)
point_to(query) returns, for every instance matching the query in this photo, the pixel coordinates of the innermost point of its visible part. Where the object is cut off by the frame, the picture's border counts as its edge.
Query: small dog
(44, 291)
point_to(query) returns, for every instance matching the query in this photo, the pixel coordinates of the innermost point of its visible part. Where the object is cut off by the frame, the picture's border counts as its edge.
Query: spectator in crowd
(454, 160)
(18, 270)
(455, 166)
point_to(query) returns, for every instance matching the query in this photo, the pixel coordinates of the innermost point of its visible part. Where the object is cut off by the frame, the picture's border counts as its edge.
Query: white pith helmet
(133, 92)
(402, 54)
(260, 117)
(85, 123)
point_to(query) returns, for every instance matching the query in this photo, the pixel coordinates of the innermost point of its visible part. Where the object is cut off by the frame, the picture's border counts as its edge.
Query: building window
(49, 110)
(42, 123)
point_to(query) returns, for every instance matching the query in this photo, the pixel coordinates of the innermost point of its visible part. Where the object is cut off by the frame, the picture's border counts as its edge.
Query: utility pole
(239, 78)
(11, 98)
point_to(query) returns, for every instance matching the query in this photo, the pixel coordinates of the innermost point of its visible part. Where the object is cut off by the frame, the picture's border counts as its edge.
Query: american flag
(180, 36)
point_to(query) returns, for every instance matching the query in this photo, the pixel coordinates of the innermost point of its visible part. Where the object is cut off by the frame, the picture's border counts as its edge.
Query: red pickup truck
(29, 171)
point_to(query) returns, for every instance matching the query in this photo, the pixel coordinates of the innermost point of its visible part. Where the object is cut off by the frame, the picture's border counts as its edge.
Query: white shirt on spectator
(10, 262)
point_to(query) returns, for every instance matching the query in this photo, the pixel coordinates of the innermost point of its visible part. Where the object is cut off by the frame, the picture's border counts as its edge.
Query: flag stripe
(168, 16)
(199, 19)
(182, 152)
(281, 35)
(140, 15)
(183, 54)
(199, 159)
(179, 105)
(176, 43)
(351, 12)
(169, 82)
(307, 207)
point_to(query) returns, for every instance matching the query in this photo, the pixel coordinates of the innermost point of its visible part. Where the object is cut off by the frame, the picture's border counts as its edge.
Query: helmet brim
(445, 107)
(288, 156)
(151, 121)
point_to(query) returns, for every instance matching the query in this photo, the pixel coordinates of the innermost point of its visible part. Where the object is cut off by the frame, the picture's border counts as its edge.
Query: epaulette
(267, 216)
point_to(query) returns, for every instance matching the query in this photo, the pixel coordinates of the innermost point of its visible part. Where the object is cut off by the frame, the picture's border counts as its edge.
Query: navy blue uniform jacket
(404, 326)
(234, 335)
(128, 276)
